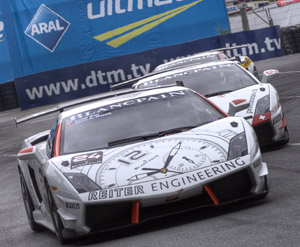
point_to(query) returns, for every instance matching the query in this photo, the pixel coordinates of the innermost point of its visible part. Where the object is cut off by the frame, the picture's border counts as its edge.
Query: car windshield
(209, 81)
(188, 61)
(129, 120)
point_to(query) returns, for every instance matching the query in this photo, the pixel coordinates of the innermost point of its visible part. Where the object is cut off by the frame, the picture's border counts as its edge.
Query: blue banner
(54, 34)
(95, 77)
(6, 73)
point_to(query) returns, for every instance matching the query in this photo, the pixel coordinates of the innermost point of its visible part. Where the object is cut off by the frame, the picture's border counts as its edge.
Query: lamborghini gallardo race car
(125, 159)
(209, 56)
(227, 84)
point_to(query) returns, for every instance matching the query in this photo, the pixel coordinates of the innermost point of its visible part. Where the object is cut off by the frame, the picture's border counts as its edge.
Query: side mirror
(235, 58)
(269, 74)
(30, 153)
(237, 106)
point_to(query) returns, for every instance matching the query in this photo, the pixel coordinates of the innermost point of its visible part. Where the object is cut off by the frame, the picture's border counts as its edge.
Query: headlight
(238, 146)
(263, 105)
(81, 182)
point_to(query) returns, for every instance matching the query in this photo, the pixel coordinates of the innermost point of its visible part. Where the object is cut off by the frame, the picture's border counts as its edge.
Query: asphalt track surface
(273, 221)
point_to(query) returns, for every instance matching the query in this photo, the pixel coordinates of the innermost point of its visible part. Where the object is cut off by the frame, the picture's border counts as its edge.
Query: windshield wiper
(134, 138)
(152, 135)
(177, 130)
(217, 93)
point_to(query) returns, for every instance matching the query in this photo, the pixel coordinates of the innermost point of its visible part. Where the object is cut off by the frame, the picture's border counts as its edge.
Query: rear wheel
(29, 207)
(58, 225)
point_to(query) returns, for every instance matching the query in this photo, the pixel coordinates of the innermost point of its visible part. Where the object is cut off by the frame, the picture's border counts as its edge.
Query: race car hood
(248, 96)
(192, 157)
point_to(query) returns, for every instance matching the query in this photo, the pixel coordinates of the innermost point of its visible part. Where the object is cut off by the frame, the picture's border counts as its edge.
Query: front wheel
(57, 223)
(286, 138)
(29, 207)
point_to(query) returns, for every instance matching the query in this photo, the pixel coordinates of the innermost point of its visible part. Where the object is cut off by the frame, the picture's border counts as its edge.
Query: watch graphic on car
(158, 159)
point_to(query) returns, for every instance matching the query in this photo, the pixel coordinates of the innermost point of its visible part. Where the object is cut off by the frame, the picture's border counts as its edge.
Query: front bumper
(233, 188)
(98, 216)
(228, 189)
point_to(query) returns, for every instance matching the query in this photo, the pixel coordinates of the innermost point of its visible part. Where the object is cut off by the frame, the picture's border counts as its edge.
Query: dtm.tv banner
(96, 77)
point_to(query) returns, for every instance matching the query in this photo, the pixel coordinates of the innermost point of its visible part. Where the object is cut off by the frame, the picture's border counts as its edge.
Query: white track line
(294, 144)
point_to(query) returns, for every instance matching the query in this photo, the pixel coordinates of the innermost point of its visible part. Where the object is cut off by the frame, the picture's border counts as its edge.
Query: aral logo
(47, 28)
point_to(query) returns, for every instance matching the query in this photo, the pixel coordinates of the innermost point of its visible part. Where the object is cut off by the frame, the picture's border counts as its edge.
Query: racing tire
(29, 207)
(57, 223)
(8, 95)
(285, 140)
(286, 136)
(291, 46)
(297, 35)
(1, 107)
(267, 187)
(289, 51)
(289, 36)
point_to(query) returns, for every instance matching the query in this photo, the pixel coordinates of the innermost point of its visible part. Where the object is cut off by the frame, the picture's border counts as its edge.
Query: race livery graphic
(137, 28)
(122, 155)
(47, 28)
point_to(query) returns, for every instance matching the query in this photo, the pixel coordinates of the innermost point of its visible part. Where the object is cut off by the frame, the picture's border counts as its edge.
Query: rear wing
(230, 48)
(132, 81)
(62, 107)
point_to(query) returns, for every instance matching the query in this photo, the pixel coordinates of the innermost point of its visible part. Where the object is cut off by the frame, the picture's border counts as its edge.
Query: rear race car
(126, 159)
(235, 91)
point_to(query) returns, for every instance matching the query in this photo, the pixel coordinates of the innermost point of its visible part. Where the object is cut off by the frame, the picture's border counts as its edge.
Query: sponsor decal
(86, 159)
(174, 183)
(1, 31)
(107, 109)
(228, 134)
(178, 75)
(72, 205)
(277, 119)
(197, 59)
(251, 101)
(121, 35)
(116, 193)
(257, 163)
(47, 28)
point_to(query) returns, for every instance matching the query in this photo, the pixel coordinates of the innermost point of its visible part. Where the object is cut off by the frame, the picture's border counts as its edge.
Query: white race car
(122, 160)
(209, 56)
(227, 84)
